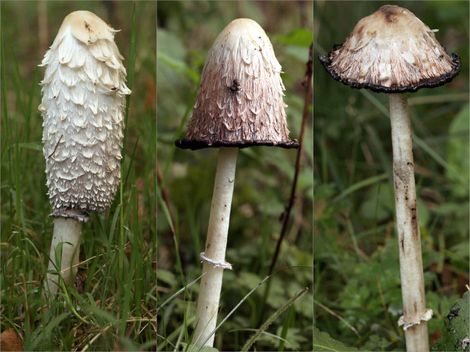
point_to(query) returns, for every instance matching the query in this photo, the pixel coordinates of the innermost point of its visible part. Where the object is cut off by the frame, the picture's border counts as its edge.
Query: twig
(55, 148)
(165, 196)
(307, 84)
(167, 209)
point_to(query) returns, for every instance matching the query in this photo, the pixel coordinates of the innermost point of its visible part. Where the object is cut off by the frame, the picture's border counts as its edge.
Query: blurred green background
(112, 306)
(186, 31)
(357, 288)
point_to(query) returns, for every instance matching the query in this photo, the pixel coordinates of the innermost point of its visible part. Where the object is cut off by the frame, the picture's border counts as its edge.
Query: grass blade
(272, 318)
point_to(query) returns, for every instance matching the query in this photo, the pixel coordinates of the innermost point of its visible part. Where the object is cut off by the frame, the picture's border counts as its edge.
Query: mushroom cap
(240, 99)
(391, 51)
(83, 100)
(86, 27)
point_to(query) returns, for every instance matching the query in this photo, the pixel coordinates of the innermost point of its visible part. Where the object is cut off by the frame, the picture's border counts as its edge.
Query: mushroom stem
(411, 265)
(66, 232)
(216, 244)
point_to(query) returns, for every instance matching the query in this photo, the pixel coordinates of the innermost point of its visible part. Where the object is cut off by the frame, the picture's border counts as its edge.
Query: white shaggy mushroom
(83, 98)
(239, 104)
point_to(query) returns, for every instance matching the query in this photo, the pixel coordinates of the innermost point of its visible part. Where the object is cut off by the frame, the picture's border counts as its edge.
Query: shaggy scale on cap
(240, 99)
(82, 106)
(391, 51)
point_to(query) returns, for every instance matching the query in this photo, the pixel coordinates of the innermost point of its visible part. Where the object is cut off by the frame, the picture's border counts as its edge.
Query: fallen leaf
(10, 341)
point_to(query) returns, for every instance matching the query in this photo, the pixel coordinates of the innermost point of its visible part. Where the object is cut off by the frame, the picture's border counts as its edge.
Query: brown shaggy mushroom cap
(391, 51)
(240, 99)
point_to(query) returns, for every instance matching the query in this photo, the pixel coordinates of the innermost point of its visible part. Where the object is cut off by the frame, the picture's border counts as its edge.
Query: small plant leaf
(456, 336)
(324, 342)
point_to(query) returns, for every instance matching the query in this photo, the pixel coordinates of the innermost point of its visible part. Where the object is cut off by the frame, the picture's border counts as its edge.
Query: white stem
(411, 265)
(66, 231)
(216, 244)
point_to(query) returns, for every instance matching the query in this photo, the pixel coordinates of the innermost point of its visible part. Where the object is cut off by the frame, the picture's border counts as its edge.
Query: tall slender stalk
(216, 244)
(411, 265)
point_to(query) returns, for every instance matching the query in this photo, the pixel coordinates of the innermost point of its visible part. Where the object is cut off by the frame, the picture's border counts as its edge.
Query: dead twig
(285, 216)
(166, 197)
(307, 84)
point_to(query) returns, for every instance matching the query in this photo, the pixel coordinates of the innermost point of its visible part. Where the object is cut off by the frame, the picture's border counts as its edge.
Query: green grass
(185, 33)
(113, 305)
(357, 287)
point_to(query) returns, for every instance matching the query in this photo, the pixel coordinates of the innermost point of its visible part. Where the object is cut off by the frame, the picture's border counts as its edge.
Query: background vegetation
(112, 305)
(357, 288)
(186, 31)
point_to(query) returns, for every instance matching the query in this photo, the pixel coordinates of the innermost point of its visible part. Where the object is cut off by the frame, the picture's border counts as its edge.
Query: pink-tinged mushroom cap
(240, 99)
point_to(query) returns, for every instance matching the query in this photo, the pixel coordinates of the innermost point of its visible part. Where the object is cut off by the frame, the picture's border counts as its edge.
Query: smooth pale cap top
(240, 99)
(86, 27)
(391, 51)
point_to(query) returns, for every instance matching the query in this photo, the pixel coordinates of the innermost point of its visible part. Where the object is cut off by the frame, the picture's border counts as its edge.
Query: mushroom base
(64, 254)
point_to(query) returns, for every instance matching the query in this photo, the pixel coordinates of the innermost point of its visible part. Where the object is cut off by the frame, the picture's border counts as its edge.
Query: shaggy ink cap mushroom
(240, 99)
(82, 106)
(391, 51)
